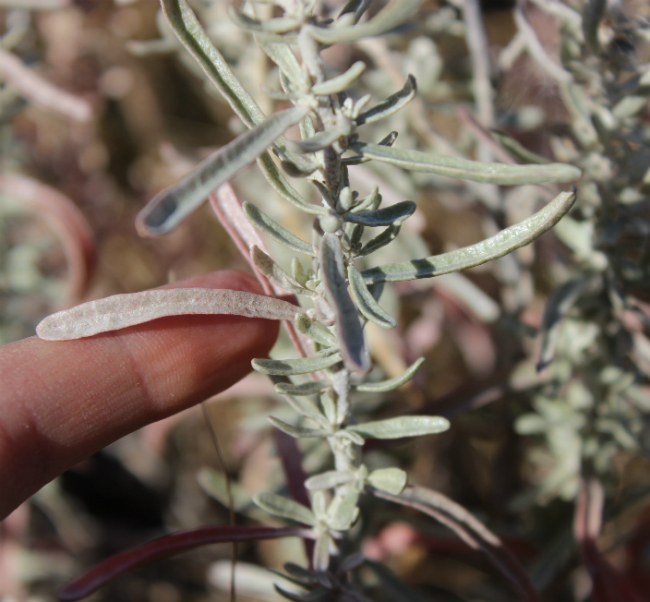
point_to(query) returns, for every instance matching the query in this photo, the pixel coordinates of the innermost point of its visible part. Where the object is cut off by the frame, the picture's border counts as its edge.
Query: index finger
(62, 401)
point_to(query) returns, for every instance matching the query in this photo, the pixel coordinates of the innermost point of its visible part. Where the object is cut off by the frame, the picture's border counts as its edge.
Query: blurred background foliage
(100, 109)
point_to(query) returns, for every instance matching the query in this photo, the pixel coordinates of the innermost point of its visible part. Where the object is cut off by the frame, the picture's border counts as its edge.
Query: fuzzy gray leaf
(402, 426)
(341, 82)
(388, 385)
(308, 388)
(343, 510)
(299, 432)
(315, 331)
(168, 208)
(394, 214)
(493, 173)
(559, 303)
(291, 367)
(392, 15)
(275, 26)
(392, 480)
(275, 273)
(499, 245)
(391, 105)
(284, 507)
(350, 332)
(366, 302)
(122, 311)
(379, 241)
(329, 480)
(260, 220)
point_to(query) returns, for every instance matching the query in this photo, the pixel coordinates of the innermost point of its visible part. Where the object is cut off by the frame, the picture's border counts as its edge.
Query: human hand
(62, 401)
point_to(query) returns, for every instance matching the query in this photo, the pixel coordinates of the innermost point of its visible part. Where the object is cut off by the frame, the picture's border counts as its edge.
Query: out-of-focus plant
(592, 399)
(338, 286)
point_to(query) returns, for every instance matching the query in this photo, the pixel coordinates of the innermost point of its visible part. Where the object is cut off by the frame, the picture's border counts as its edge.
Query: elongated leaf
(284, 507)
(122, 311)
(168, 208)
(392, 383)
(163, 547)
(392, 15)
(392, 480)
(341, 82)
(278, 25)
(187, 28)
(394, 214)
(493, 173)
(350, 332)
(366, 303)
(559, 303)
(308, 388)
(391, 105)
(262, 221)
(271, 270)
(297, 432)
(402, 426)
(516, 150)
(306, 407)
(329, 480)
(189, 31)
(317, 142)
(302, 365)
(383, 239)
(343, 510)
(470, 530)
(315, 330)
(499, 245)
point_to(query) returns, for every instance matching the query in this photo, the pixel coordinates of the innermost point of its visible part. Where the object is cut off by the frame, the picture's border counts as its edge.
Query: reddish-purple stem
(470, 530)
(168, 545)
(227, 208)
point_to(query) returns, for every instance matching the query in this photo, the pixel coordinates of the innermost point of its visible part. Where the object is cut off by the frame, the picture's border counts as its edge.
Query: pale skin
(61, 401)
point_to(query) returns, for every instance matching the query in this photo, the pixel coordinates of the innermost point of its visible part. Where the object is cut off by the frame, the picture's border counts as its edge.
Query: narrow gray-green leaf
(366, 302)
(402, 426)
(298, 432)
(291, 367)
(284, 507)
(275, 273)
(499, 245)
(392, 15)
(315, 331)
(349, 330)
(340, 82)
(317, 142)
(187, 28)
(343, 510)
(392, 214)
(262, 221)
(477, 171)
(278, 25)
(308, 388)
(516, 150)
(383, 239)
(167, 209)
(329, 480)
(306, 407)
(189, 31)
(392, 480)
(279, 183)
(391, 105)
(122, 311)
(388, 385)
(559, 303)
